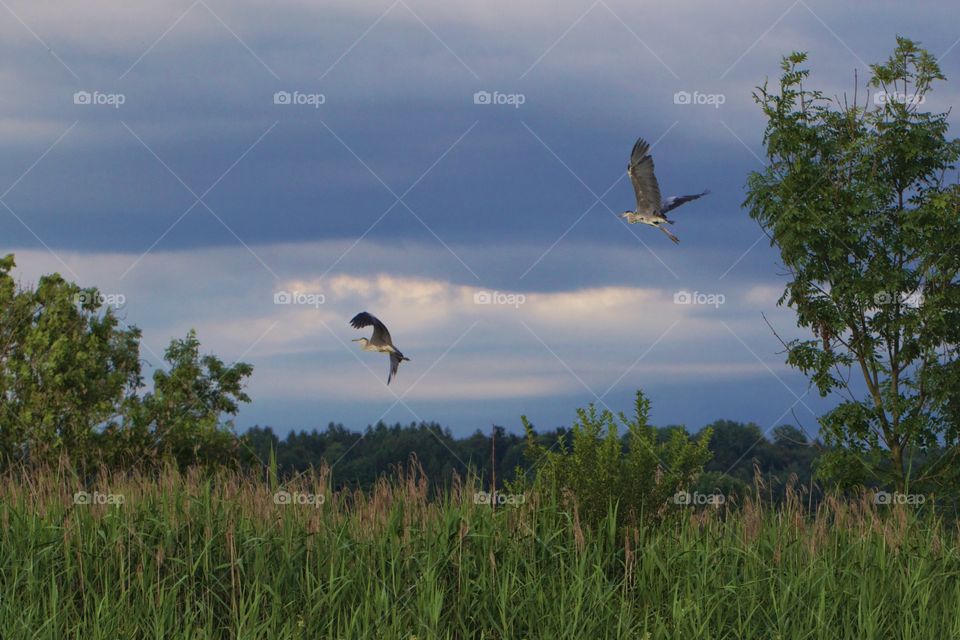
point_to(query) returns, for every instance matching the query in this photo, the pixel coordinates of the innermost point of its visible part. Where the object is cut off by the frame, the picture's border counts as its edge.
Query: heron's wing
(675, 239)
(380, 333)
(675, 201)
(395, 359)
(644, 181)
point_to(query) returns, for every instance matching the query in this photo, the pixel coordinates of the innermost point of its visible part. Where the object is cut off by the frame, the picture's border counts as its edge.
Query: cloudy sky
(454, 168)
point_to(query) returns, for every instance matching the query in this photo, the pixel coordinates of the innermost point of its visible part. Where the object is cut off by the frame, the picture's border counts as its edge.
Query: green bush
(599, 473)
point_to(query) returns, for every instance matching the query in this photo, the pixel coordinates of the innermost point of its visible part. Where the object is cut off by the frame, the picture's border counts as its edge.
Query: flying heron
(380, 341)
(651, 209)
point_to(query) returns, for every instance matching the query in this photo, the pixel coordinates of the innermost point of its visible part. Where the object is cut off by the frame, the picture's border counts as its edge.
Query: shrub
(598, 472)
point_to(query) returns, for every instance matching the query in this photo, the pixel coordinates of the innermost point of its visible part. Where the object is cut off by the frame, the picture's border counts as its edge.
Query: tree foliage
(856, 199)
(71, 385)
(180, 419)
(66, 369)
(597, 473)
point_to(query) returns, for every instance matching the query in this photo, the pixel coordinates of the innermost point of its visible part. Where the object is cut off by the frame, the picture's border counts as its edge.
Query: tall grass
(192, 556)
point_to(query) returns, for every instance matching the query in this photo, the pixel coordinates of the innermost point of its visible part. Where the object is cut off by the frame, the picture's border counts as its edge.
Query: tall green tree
(180, 419)
(67, 367)
(71, 384)
(857, 198)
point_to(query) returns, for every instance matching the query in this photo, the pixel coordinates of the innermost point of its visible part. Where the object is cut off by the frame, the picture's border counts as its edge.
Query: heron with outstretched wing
(651, 209)
(380, 341)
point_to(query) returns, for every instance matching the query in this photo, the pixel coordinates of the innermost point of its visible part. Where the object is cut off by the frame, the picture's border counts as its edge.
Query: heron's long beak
(356, 340)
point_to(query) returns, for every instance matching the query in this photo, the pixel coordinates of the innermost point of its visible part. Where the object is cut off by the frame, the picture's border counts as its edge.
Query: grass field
(187, 557)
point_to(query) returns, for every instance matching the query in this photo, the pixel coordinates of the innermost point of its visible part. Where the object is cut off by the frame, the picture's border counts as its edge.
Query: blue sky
(183, 188)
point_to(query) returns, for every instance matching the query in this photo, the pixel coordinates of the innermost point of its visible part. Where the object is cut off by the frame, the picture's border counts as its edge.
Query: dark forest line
(739, 452)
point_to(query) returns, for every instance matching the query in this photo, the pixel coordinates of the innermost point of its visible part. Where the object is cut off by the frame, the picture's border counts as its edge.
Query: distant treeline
(740, 451)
